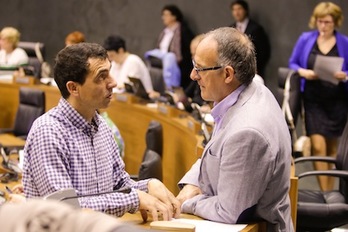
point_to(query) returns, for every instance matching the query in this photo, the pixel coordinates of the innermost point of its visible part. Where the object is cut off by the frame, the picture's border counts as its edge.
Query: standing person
(71, 146)
(325, 104)
(174, 48)
(244, 172)
(240, 13)
(10, 54)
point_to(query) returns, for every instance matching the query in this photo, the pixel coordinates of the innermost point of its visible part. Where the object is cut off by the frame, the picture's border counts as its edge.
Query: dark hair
(237, 50)
(114, 42)
(243, 4)
(71, 64)
(174, 10)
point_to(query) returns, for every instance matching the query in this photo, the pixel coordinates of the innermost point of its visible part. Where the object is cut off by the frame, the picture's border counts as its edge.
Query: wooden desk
(10, 99)
(136, 220)
(179, 141)
(8, 140)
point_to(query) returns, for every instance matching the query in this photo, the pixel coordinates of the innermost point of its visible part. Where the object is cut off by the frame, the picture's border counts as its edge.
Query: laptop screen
(138, 88)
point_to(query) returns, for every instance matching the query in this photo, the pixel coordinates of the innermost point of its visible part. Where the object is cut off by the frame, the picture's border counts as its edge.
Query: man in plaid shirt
(71, 146)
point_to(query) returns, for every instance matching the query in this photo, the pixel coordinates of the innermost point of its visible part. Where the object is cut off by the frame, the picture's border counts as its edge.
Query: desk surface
(8, 140)
(136, 220)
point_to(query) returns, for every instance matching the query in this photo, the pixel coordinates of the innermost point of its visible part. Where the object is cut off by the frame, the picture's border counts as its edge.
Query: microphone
(205, 132)
(70, 197)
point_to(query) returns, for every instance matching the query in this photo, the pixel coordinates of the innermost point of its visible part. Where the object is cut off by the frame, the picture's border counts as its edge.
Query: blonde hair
(11, 34)
(326, 8)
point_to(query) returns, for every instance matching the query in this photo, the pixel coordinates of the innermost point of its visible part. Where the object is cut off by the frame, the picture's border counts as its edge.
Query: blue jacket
(305, 43)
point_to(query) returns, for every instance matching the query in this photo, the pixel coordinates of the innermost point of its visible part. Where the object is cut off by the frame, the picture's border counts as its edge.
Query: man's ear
(72, 87)
(229, 74)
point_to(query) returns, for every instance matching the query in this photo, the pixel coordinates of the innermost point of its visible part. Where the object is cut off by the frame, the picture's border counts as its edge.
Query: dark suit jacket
(262, 47)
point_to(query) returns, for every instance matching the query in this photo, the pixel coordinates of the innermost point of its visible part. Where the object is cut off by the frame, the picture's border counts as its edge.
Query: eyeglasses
(324, 22)
(204, 69)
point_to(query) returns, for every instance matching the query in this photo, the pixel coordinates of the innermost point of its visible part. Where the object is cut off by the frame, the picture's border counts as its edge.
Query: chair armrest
(6, 130)
(315, 158)
(334, 173)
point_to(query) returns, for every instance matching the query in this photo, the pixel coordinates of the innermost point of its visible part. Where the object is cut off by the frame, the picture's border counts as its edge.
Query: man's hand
(18, 189)
(188, 192)
(154, 206)
(157, 189)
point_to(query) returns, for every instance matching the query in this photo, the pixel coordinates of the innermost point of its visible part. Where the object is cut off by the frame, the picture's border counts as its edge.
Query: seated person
(71, 146)
(244, 172)
(193, 90)
(117, 134)
(125, 64)
(74, 37)
(11, 56)
(173, 48)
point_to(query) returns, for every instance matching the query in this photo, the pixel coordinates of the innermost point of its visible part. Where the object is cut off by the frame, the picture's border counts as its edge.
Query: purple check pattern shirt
(63, 150)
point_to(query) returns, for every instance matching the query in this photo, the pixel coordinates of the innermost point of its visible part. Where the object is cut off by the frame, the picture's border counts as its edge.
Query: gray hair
(237, 50)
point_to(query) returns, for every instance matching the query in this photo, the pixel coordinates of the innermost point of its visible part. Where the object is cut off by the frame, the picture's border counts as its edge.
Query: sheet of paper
(208, 226)
(326, 66)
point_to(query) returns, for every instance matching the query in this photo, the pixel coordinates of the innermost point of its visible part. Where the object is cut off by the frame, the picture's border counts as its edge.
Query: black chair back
(31, 106)
(342, 161)
(151, 166)
(154, 137)
(36, 54)
(157, 80)
(294, 91)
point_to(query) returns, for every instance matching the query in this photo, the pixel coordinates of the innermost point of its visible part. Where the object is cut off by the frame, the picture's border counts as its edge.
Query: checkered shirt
(63, 151)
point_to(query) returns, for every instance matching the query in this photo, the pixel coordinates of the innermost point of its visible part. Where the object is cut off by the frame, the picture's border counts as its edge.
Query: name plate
(127, 98)
(193, 125)
(26, 80)
(168, 110)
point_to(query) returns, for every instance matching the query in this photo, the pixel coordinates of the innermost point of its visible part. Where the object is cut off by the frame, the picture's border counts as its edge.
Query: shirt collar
(243, 24)
(77, 120)
(221, 108)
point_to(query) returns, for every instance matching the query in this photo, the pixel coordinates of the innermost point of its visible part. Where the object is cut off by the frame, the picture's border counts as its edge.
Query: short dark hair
(235, 49)
(174, 10)
(114, 43)
(71, 64)
(243, 4)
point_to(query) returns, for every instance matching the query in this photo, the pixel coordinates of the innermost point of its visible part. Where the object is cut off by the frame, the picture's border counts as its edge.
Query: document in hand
(326, 66)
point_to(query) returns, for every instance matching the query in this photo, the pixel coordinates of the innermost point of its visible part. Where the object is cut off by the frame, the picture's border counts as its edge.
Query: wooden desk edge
(135, 220)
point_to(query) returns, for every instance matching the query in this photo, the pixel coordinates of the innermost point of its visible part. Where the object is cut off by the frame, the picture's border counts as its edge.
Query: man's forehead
(206, 50)
(96, 63)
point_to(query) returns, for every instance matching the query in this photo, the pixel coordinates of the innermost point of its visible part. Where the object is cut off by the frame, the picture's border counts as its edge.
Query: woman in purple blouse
(325, 103)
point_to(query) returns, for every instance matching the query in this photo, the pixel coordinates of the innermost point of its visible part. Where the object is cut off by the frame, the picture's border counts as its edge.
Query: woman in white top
(173, 48)
(10, 54)
(125, 64)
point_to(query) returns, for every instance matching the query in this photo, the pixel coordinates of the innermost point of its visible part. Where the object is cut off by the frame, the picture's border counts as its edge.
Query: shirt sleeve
(46, 171)
(243, 163)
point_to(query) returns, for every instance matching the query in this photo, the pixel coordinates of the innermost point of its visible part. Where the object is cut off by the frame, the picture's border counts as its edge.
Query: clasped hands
(160, 201)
